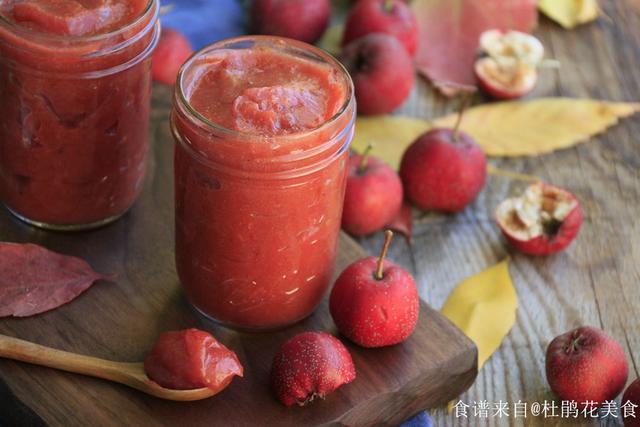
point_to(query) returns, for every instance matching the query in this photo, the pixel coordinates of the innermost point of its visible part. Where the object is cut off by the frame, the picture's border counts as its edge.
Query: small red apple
(630, 398)
(304, 20)
(444, 170)
(382, 72)
(586, 364)
(375, 302)
(392, 17)
(373, 196)
(544, 220)
(172, 51)
(310, 365)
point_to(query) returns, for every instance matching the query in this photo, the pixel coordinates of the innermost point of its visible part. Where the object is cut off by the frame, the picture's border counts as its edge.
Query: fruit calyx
(540, 211)
(310, 398)
(578, 341)
(361, 62)
(575, 344)
(379, 274)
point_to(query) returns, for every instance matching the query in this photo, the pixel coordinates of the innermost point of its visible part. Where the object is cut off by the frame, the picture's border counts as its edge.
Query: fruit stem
(364, 162)
(492, 170)
(388, 5)
(388, 235)
(463, 106)
(549, 63)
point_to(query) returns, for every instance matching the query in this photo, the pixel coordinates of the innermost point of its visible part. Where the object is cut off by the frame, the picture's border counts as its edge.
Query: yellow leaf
(570, 13)
(389, 135)
(484, 307)
(331, 40)
(512, 128)
(521, 128)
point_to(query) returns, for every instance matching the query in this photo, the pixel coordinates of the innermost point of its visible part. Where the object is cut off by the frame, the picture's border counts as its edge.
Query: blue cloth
(207, 21)
(422, 419)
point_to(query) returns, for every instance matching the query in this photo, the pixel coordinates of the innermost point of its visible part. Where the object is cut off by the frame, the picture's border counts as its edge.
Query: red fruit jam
(263, 127)
(74, 107)
(188, 359)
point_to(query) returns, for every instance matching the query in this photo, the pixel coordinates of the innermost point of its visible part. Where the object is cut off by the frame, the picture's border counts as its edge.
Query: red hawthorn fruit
(508, 67)
(310, 365)
(373, 195)
(172, 51)
(392, 17)
(304, 20)
(631, 397)
(504, 85)
(544, 220)
(444, 170)
(375, 302)
(382, 72)
(586, 364)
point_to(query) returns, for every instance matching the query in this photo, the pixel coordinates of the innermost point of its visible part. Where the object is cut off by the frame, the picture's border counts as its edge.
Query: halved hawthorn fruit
(507, 67)
(505, 82)
(544, 220)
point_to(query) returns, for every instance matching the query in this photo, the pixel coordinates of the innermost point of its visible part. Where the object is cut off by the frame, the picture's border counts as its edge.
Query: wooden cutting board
(121, 320)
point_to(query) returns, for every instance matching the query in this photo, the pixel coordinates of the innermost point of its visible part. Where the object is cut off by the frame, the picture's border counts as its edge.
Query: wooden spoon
(130, 374)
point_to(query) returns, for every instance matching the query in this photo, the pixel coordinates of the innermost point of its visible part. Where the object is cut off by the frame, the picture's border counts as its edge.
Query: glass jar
(258, 217)
(74, 119)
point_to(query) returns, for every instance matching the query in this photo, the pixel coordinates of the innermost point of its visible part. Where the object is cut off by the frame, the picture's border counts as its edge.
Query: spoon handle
(25, 351)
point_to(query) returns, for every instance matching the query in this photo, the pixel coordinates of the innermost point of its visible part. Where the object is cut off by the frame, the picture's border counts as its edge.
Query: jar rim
(152, 7)
(240, 135)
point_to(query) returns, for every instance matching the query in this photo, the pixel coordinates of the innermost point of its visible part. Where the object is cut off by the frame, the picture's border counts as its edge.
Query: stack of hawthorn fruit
(380, 40)
(374, 302)
(444, 169)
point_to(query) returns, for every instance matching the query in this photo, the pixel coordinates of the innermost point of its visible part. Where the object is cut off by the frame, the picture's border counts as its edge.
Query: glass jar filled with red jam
(263, 126)
(75, 87)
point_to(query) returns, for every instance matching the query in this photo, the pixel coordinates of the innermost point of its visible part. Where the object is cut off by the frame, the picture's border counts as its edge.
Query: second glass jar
(258, 217)
(74, 117)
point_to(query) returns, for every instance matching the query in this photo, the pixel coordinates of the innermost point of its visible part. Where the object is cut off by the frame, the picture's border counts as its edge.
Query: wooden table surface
(597, 280)
(121, 320)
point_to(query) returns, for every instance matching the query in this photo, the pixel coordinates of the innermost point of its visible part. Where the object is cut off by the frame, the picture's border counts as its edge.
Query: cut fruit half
(505, 82)
(512, 46)
(544, 220)
(507, 67)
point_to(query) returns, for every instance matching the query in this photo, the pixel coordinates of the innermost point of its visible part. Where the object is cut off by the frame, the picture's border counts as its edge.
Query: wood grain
(120, 321)
(597, 280)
